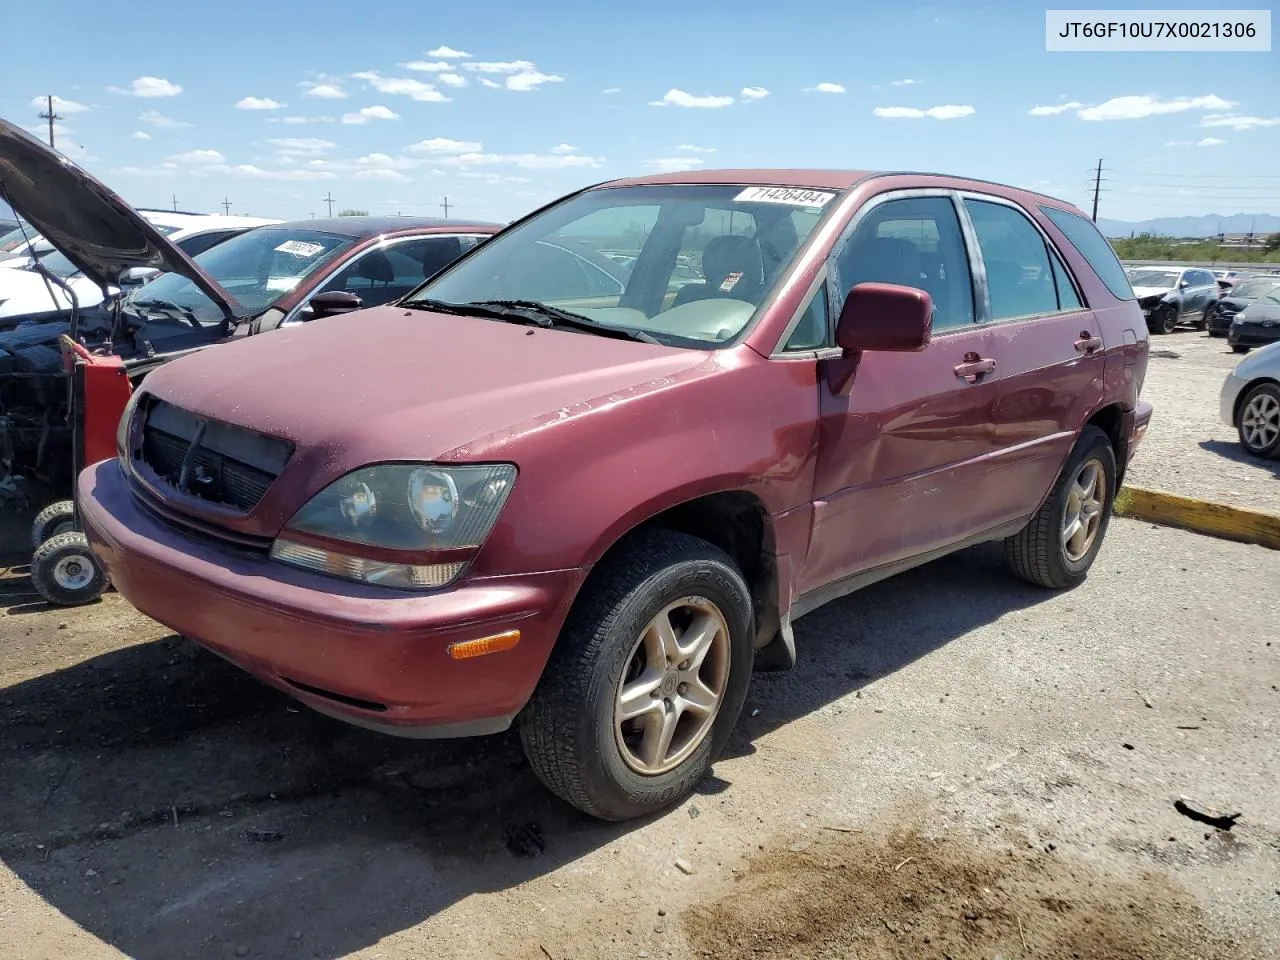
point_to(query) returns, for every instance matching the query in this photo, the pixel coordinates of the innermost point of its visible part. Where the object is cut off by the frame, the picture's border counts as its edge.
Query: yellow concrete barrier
(1200, 516)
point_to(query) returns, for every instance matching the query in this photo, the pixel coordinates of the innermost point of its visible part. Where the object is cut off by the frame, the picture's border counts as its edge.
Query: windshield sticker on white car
(300, 248)
(792, 196)
(730, 282)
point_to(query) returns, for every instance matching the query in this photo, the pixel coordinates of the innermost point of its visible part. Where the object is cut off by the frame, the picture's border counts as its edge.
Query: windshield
(16, 239)
(1257, 290)
(257, 268)
(1164, 279)
(686, 264)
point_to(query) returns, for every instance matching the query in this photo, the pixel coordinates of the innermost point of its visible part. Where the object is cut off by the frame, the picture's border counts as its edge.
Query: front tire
(1258, 423)
(1058, 545)
(647, 678)
(65, 572)
(1167, 320)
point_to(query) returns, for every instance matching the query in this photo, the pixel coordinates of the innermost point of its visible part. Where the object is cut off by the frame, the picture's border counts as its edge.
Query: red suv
(587, 478)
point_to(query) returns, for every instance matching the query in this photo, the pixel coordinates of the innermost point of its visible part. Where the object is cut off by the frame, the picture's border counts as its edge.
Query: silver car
(1250, 401)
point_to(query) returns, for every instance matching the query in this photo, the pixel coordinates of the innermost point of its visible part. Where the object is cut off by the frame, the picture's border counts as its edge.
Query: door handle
(1088, 342)
(974, 367)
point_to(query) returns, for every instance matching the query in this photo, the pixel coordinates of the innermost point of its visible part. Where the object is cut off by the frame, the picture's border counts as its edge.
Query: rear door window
(1084, 236)
(1020, 281)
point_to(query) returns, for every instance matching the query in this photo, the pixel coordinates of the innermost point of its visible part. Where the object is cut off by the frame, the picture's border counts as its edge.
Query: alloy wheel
(1082, 514)
(673, 685)
(1260, 421)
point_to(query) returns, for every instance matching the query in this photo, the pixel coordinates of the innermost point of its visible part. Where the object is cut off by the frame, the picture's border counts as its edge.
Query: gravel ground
(961, 765)
(1188, 450)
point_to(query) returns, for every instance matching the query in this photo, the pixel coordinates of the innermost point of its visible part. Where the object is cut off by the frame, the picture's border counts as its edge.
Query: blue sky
(502, 105)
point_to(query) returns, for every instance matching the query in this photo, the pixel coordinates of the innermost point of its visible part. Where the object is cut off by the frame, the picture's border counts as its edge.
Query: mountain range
(1206, 226)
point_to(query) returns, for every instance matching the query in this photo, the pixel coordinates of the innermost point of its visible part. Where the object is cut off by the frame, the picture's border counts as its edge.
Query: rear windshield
(1085, 237)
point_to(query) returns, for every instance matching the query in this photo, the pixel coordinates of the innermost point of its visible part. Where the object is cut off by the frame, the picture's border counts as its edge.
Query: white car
(1250, 401)
(24, 290)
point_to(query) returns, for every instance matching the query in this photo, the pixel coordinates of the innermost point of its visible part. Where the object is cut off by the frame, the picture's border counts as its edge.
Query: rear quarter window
(1084, 236)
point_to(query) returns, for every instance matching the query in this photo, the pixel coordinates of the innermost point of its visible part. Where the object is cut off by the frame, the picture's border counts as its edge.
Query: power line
(1212, 176)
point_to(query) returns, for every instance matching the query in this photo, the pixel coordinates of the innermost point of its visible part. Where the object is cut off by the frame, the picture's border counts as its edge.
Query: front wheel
(1058, 545)
(1258, 423)
(647, 678)
(65, 572)
(1167, 320)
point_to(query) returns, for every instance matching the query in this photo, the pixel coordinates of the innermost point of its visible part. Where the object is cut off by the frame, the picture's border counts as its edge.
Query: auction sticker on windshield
(792, 196)
(300, 248)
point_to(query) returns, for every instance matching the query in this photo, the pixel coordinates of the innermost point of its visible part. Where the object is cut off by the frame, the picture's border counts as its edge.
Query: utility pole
(1097, 188)
(446, 207)
(50, 116)
(328, 198)
(175, 203)
(226, 206)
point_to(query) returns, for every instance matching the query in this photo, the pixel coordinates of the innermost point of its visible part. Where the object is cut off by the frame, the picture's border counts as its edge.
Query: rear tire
(54, 519)
(1050, 551)
(66, 573)
(1203, 322)
(1258, 422)
(575, 731)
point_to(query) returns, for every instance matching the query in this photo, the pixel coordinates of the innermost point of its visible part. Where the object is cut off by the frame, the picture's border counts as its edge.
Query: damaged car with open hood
(277, 274)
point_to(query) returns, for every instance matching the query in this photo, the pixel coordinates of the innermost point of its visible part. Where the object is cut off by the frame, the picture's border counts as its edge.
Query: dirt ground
(961, 766)
(1188, 450)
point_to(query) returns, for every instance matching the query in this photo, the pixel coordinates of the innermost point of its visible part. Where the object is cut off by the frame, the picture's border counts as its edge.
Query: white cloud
(491, 84)
(428, 66)
(259, 103)
(673, 164)
(1238, 122)
(531, 80)
(402, 86)
(294, 173)
(444, 145)
(384, 161)
(825, 88)
(1206, 142)
(365, 114)
(448, 53)
(197, 158)
(528, 161)
(1138, 107)
(294, 121)
(487, 177)
(301, 146)
(754, 93)
(499, 66)
(904, 83)
(564, 149)
(384, 174)
(323, 91)
(149, 87)
(452, 79)
(691, 148)
(60, 105)
(678, 98)
(158, 119)
(140, 135)
(610, 91)
(1056, 109)
(945, 112)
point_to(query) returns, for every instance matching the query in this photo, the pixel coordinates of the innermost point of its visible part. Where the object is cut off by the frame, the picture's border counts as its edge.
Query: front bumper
(1252, 334)
(373, 657)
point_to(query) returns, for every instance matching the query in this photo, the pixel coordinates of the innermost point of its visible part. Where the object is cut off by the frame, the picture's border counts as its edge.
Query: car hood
(1142, 293)
(84, 219)
(1261, 310)
(393, 384)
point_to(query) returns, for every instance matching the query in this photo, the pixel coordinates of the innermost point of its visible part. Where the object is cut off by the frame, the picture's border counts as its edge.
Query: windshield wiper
(532, 313)
(167, 308)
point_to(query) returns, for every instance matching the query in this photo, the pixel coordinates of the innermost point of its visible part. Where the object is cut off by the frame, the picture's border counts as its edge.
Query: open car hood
(87, 221)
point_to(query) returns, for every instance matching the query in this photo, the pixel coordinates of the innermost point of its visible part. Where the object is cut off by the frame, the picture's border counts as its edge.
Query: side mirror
(1183, 284)
(885, 316)
(333, 302)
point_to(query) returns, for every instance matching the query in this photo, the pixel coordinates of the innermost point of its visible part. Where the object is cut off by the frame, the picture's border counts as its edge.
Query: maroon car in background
(526, 493)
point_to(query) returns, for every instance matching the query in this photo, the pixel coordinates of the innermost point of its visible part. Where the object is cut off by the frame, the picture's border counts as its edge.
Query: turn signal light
(478, 648)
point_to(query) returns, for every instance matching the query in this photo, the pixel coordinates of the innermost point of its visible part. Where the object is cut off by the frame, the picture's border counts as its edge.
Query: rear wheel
(66, 573)
(1058, 545)
(1203, 322)
(1258, 423)
(54, 519)
(647, 678)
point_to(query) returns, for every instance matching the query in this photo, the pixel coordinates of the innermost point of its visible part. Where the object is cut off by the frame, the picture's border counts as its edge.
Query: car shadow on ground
(1237, 453)
(172, 806)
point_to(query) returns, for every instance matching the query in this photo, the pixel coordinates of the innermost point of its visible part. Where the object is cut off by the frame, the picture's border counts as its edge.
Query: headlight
(122, 429)
(1239, 317)
(395, 517)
